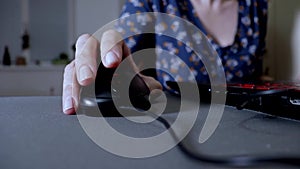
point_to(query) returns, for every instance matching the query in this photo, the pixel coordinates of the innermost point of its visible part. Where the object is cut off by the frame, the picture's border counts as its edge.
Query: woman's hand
(83, 69)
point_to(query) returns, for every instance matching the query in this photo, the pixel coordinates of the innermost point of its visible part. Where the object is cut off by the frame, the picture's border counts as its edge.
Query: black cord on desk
(232, 161)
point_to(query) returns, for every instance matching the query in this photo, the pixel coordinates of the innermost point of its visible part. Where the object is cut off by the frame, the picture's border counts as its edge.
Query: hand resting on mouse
(82, 71)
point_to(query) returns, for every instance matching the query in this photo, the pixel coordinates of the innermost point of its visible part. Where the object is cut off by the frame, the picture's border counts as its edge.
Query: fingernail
(85, 73)
(111, 58)
(68, 104)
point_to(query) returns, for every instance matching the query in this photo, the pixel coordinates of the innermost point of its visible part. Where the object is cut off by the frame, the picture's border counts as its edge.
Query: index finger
(111, 48)
(87, 51)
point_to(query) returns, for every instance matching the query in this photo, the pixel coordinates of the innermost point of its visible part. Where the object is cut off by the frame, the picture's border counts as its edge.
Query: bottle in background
(26, 47)
(6, 57)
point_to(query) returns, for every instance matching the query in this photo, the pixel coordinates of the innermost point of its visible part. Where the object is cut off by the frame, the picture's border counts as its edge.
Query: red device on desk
(279, 99)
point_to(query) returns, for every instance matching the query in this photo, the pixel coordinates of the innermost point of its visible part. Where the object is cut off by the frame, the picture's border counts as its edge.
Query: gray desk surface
(34, 134)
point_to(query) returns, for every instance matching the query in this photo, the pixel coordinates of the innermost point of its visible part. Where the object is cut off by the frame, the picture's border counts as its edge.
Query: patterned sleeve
(133, 24)
(262, 10)
(249, 65)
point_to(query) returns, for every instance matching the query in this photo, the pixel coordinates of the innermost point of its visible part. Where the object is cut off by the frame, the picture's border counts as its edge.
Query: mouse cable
(231, 161)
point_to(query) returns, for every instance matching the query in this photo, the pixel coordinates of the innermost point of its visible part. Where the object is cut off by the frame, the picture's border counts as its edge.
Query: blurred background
(52, 27)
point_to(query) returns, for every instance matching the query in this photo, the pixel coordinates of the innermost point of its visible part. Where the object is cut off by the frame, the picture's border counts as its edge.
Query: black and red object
(278, 99)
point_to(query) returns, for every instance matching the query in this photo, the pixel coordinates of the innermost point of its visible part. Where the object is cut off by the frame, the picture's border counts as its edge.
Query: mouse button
(138, 87)
(141, 103)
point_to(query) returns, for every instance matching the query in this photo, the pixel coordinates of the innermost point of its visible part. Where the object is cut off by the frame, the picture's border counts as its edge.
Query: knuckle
(81, 41)
(69, 67)
(68, 87)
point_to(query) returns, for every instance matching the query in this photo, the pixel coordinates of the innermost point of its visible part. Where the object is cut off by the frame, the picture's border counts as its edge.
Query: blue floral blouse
(242, 61)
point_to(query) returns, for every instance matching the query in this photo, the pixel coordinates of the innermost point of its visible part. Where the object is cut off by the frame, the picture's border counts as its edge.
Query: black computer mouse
(107, 90)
